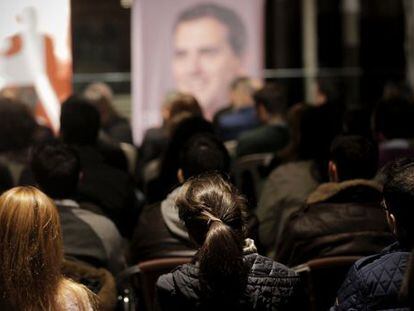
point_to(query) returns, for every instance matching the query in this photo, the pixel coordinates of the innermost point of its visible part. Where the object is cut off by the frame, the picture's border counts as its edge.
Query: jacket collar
(330, 189)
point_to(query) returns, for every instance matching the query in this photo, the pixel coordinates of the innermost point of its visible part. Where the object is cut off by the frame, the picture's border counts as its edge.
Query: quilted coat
(374, 282)
(270, 286)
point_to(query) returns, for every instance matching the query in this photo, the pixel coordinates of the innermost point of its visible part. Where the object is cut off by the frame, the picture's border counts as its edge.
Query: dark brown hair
(214, 214)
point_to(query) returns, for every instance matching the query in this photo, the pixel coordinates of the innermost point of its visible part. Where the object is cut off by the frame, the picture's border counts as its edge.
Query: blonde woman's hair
(31, 254)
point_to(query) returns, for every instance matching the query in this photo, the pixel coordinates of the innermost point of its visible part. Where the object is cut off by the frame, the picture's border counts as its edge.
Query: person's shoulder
(266, 267)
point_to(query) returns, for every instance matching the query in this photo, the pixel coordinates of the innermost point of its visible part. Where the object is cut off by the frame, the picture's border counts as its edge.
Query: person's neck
(275, 119)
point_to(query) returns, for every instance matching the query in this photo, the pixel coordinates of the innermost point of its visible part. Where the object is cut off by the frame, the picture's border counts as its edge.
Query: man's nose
(194, 64)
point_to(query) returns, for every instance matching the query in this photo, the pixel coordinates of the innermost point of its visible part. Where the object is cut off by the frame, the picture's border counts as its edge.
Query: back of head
(184, 103)
(56, 168)
(31, 250)
(100, 95)
(393, 118)
(272, 97)
(79, 122)
(203, 153)
(355, 157)
(241, 92)
(213, 212)
(398, 194)
(17, 125)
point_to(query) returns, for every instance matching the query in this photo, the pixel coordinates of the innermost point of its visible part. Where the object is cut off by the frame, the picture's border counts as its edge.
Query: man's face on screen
(204, 63)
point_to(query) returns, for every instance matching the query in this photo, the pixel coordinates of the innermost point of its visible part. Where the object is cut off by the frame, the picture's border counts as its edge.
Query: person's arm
(350, 295)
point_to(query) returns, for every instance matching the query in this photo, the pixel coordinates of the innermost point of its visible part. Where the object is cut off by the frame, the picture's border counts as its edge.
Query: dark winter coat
(373, 283)
(270, 286)
(339, 219)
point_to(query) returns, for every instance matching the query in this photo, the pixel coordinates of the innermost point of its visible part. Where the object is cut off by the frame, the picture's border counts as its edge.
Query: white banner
(35, 50)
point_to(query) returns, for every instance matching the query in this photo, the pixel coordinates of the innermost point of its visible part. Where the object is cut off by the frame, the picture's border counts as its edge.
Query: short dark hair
(398, 194)
(393, 118)
(203, 153)
(17, 125)
(55, 167)
(272, 98)
(237, 31)
(79, 122)
(355, 157)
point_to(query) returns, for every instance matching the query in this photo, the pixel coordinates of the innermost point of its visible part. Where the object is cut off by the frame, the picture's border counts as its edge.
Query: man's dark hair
(17, 125)
(204, 153)
(399, 198)
(79, 122)
(237, 35)
(355, 157)
(393, 118)
(272, 98)
(56, 169)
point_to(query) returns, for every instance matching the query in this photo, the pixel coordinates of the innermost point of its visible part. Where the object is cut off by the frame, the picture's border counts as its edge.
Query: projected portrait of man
(209, 48)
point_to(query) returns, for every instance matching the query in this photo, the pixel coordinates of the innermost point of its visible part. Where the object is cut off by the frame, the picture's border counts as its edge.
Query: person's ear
(80, 178)
(262, 113)
(180, 176)
(333, 171)
(392, 223)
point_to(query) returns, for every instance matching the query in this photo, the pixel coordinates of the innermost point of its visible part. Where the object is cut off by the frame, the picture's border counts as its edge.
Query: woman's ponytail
(213, 212)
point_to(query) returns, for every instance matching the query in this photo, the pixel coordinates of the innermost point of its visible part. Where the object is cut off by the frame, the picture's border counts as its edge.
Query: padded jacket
(373, 283)
(339, 219)
(270, 286)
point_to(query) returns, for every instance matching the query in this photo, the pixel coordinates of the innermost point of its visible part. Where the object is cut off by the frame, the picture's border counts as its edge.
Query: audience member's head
(327, 92)
(241, 92)
(100, 95)
(31, 254)
(79, 122)
(185, 103)
(399, 200)
(270, 101)
(352, 157)
(213, 212)
(170, 161)
(56, 169)
(17, 125)
(393, 118)
(203, 153)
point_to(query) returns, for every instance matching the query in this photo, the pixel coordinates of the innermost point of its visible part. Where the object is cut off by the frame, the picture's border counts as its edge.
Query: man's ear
(392, 223)
(80, 178)
(180, 176)
(333, 172)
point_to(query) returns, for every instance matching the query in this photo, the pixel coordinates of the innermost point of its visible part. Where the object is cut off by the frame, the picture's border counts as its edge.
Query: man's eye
(179, 54)
(209, 51)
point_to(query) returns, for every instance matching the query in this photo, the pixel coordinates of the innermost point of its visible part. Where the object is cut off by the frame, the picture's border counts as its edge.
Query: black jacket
(340, 219)
(270, 286)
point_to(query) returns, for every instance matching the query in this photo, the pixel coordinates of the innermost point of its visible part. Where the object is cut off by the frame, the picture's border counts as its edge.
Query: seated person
(374, 282)
(273, 134)
(241, 116)
(159, 232)
(227, 273)
(102, 184)
(31, 256)
(394, 128)
(305, 161)
(87, 236)
(343, 216)
(114, 127)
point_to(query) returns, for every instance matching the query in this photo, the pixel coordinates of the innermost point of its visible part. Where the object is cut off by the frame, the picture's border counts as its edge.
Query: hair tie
(211, 218)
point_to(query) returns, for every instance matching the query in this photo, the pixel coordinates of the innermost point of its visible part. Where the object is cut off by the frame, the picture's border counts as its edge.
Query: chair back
(248, 175)
(322, 278)
(142, 278)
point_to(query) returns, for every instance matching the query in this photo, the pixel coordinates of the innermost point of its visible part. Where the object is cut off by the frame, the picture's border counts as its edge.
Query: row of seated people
(226, 272)
(89, 178)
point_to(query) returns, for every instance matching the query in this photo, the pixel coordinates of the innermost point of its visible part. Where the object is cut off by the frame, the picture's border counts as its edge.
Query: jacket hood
(333, 190)
(169, 212)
